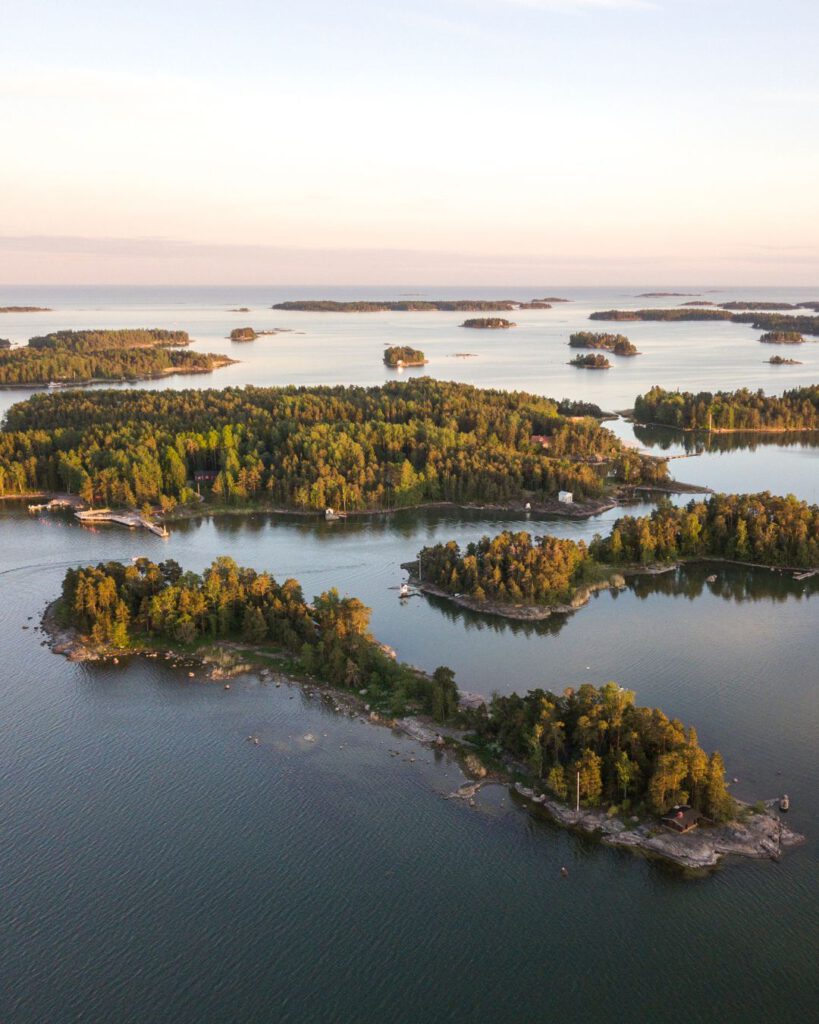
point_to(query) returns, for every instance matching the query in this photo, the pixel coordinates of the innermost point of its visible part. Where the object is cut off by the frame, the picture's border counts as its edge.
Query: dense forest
(243, 334)
(413, 306)
(308, 448)
(618, 344)
(591, 361)
(490, 323)
(126, 606)
(782, 338)
(730, 410)
(759, 321)
(626, 756)
(79, 356)
(403, 355)
(521, 569)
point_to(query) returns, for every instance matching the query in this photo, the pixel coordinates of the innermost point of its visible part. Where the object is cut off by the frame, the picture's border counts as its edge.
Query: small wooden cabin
(681, 818)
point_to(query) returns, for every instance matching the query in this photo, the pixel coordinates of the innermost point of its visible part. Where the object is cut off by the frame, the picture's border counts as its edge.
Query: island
(90, 357)
(782, 338)
(534, 304)
(239, 309)
(306, 449)
(520, 577)
(759, 305)
(551, 298)
(25, 309)
(729, 411)
(664, 295)
(782, 361)
(760, 321)
(243, 334)
(618, 344)
(415, 306)
(590, 362)
(615, 761)
(399, 356)
(489, 323)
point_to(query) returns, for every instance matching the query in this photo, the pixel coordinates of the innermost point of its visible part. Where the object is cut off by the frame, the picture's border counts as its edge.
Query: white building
(565, 496)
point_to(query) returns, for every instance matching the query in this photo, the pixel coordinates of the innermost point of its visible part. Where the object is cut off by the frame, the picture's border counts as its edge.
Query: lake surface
(157, 867)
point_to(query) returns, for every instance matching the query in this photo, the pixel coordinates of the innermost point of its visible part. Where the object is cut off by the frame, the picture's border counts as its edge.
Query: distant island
(534, 304)
(490, 323)
(551, 298)
(243, 334)
(25, 309)
(758, 320)
(415, 306)
(590, 362)
(239, 309)
(782, 361)
(728, 411)
(398, 356)
(86, 357)
(618, 344)
(664, 295)
(590, 745)
(782, 338)
(698, 302)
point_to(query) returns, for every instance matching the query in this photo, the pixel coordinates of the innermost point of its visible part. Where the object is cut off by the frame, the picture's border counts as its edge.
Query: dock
(133, 520)
(806, 575)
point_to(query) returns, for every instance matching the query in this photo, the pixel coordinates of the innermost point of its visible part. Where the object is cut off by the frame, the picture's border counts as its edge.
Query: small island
(100, 356)
(664, 295)
(591, 361)
(760, 321)
(239, 309)
(243, 334)
(399, 356)
(534, 304)
(25, 309)
(782, 338)
(618, 344)
(783, 361)
(489, 323)
(551, 298)
(729, 411)
(589, 757)
(762, 306)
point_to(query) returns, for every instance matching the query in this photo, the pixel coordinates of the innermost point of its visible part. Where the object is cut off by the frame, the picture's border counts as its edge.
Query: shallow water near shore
(158, 867)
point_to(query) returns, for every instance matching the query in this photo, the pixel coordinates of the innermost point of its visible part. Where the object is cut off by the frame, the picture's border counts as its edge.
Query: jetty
(133, 520)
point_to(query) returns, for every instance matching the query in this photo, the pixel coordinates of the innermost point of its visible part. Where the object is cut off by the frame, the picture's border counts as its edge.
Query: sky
(426, 141)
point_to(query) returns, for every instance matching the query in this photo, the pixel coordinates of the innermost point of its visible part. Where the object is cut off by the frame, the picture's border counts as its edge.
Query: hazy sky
(424, 141)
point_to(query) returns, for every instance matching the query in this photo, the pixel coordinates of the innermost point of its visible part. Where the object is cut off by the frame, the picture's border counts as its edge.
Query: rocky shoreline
(761, 836)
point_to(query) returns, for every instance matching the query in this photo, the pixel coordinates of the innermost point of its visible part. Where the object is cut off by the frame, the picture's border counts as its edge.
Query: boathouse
(566, 497)
(681, 818)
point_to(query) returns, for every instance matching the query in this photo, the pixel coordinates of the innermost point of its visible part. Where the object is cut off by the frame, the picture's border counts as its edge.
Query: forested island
(413, 306)
(25, 309)
(591, 744)
(782, 361)
(402, 355)
(534, 304)
(304, 449)
(243, 334)
(724, 411)
(758, 320)
(490, 323)
(520, 576)
(782, 338)
(76, 357)
(664, 295)
(618, 344)
(591, 362)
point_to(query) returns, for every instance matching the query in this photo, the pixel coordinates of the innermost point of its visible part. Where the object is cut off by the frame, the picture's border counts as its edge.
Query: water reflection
(667, 439)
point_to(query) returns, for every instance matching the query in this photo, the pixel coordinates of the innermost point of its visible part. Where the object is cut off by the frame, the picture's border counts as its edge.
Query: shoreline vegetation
(617, 344)
(741, 411)
(760, 321)
(489, 323)
(25, 309)
(416, 305)
(591, 361)
(530, 578)
(401, 444)
(627, 763)
(89, 357)
(399, 356)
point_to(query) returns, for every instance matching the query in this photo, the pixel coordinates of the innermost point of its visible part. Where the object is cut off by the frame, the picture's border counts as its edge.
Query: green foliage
(616, 343)
(309, 448)
(623, 753)
(760, 321)
(730, 410)
(403, 355)
(782, 338)
(79, 356)
(591, 362)
(492, 323)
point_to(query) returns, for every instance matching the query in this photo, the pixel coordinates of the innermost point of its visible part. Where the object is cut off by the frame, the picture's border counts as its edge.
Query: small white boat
(784, 803)
(404, 590)
(710, 579)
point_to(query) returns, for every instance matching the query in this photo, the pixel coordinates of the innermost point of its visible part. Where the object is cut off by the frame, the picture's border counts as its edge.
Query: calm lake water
(156, 867)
